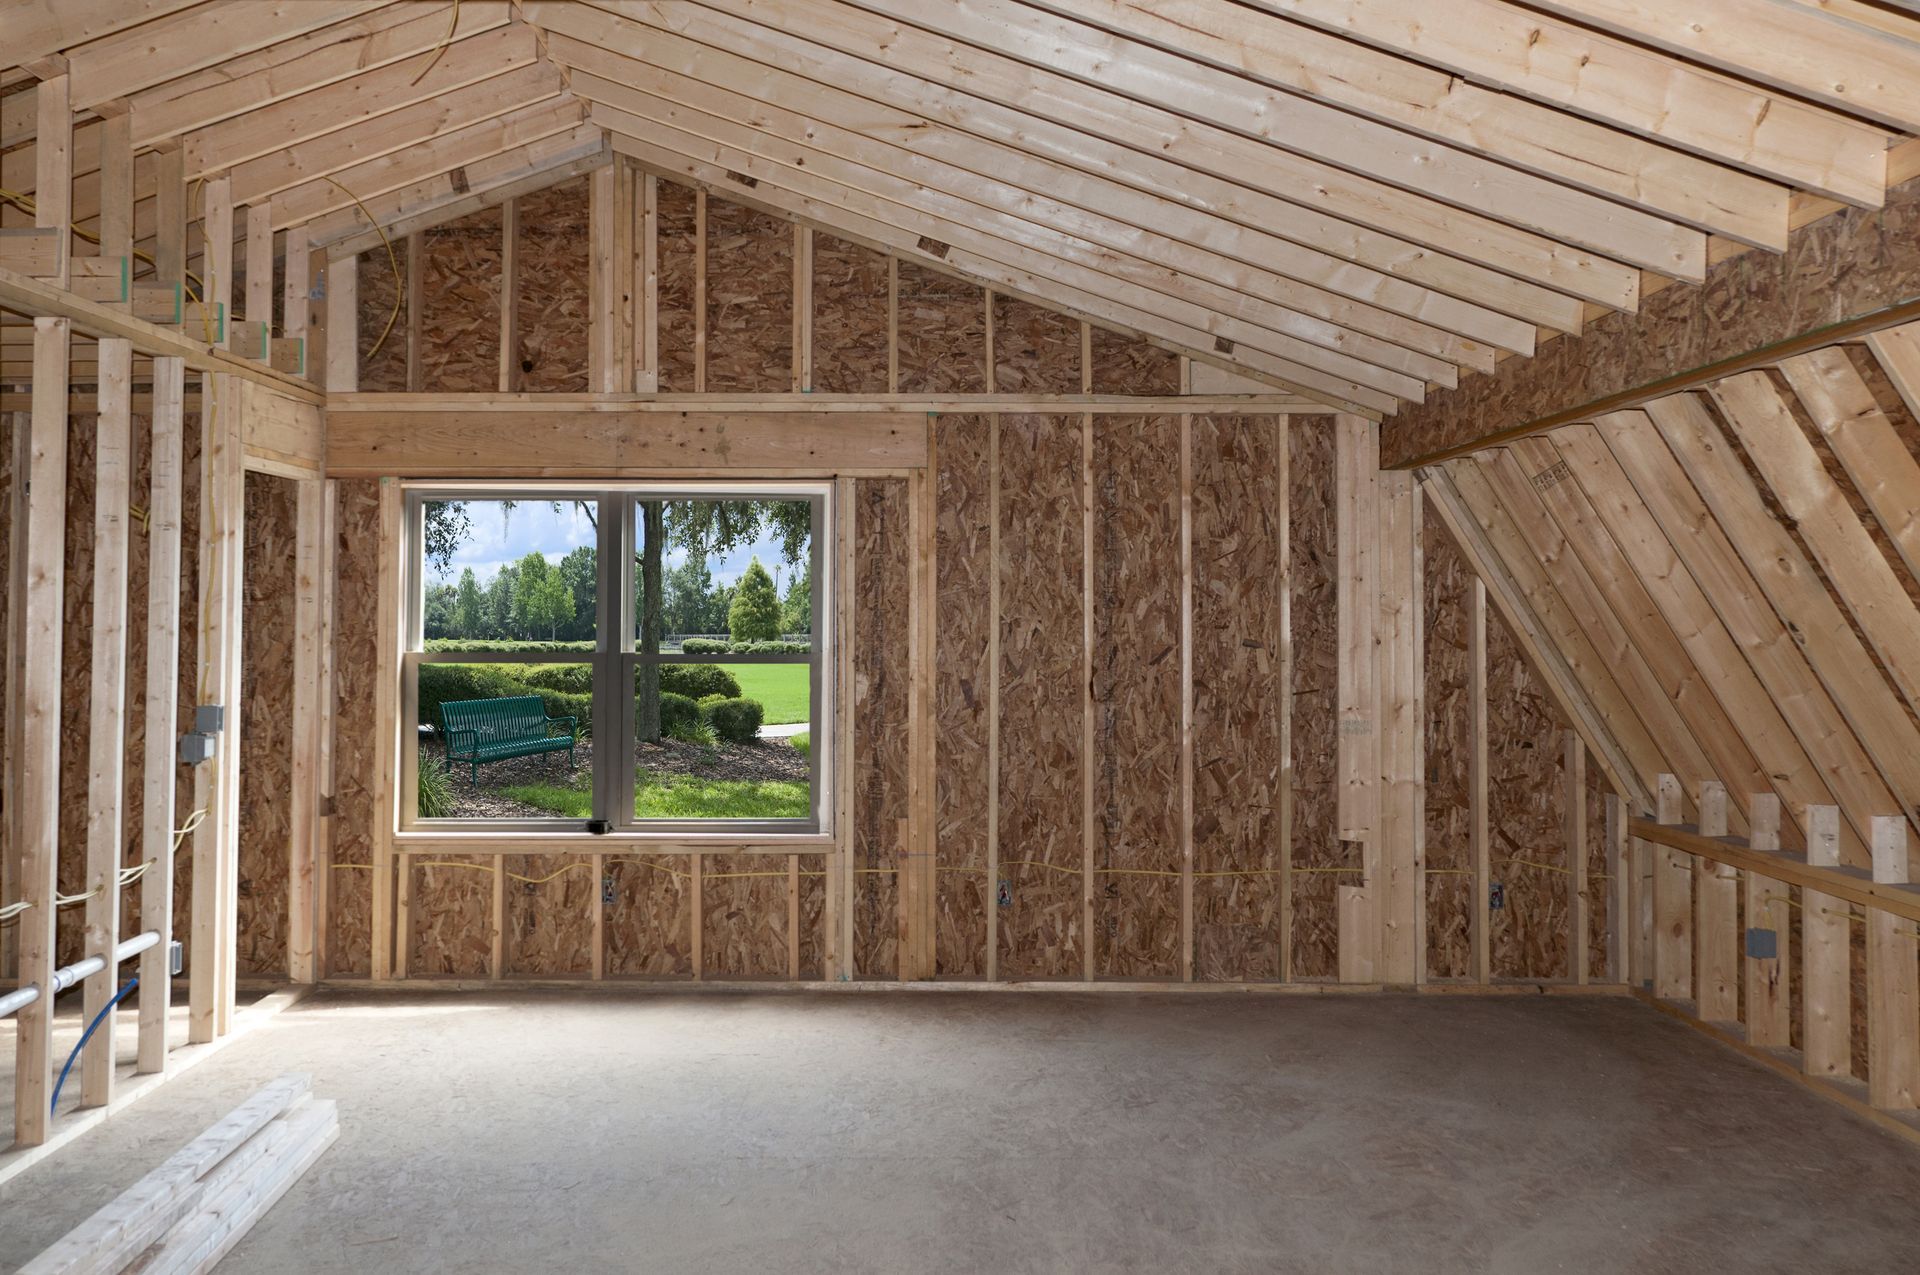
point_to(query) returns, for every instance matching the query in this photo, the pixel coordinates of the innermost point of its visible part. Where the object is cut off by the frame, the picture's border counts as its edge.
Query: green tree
(689, 587)
(755, 613)
(553, 602)
(469, 607)
(436, 611)
(499, 612)
(530, 598)
(577, 571)
(796, 609)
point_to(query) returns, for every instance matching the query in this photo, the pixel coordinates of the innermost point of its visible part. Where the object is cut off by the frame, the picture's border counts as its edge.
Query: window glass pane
(497, 574)
(723, 741)
(496, 741)
(723, 574)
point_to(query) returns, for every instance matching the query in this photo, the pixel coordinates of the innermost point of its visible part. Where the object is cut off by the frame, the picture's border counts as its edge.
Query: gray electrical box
(209, 719)
(176, 957)
(195, 748)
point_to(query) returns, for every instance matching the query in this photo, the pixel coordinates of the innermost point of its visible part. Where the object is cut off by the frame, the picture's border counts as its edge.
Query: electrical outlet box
(1497, 895)
(1004, 895)
(209, 719)
(606, 890)
(1763, 945)
(176, 957)
(195, 748)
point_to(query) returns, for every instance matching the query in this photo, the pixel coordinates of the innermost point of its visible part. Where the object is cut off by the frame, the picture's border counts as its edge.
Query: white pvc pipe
(67, 975)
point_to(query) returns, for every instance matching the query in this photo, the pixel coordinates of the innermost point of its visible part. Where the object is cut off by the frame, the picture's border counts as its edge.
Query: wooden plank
(1785, 45)
(1089, 881)
(802, 308)
(53, 170)
(295, 285)
(1480, 921)
(793, 917)
(20, 459)
(1456, 110)
(1850, 885)
(1186, 683)
(304, 827)
(157, 788)
(116, 193)
(1717, 917)
(840, 886)
(1792, 584)
(509, 296)
(259, 295)
(699, 291)
(1672, 905)
(1768, 1011)
(35, 780)
(1893, 981)
(1826, 982)
(106, 710)
(1763, 420)
(1622, 83)
(1401, 889)
(36, 30)
(342, 283)
(387, 630)
(415, 307)
(430, 442)
(993, 679)
(1897, 350)
(1620, 893)
(1283, 589)
(1357, 547)
(1574, 828)
(648, 374)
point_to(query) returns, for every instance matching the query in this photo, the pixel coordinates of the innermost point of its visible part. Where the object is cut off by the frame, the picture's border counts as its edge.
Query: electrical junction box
(195, 748)
(176, 957)
(209, 719)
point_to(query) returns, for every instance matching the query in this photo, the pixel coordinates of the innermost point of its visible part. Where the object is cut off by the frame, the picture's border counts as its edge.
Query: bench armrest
(573, 723)
(454, 735)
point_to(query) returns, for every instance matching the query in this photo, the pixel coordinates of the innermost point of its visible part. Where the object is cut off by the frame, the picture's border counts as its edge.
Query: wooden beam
(35, 780)
(1573, 824)
(1716, 917)
(389, 580)
(1790, 46)
(116, 194)
(1624, 84)
(106, 711)
(53, 171)
(36, 30)
(648, 378)
(342, 283)
(216, 255)
(1186, 679)
(1479, 921)
(1622, 917)
(415, 307)
(1768, 1011)
(1402, 888)
(1452, 109)
(157, 787)
(310, 587)
(296, 287)
(1672, 904)
(1842, 406)
(451, 443)
(1893, 981)
(509, 380)
(1358, 754)
(1826, 979)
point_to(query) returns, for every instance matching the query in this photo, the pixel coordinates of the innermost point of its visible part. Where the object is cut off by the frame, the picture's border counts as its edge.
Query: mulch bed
(761, 761)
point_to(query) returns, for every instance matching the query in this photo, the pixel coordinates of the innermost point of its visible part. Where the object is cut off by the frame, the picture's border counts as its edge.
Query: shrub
(736, 720)
(483, 646)
(575, 679)
(677, 713)
(451, 683)
(754, 614)
(436, 789)
(697, 681)
(705, 646)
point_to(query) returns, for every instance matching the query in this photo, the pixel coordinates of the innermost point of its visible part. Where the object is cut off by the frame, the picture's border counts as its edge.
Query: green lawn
(782, 689)
(678, 797)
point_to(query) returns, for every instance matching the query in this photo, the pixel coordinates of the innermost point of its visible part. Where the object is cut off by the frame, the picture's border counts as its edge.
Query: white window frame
(614, 658)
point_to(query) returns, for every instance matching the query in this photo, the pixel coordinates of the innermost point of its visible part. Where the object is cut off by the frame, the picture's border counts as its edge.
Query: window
(629, 659)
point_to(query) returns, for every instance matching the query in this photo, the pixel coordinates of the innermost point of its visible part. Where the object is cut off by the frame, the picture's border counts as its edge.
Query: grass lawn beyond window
(782, 689)
(671, 796)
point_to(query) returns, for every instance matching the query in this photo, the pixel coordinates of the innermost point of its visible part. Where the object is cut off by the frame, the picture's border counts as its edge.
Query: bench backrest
(514, 717)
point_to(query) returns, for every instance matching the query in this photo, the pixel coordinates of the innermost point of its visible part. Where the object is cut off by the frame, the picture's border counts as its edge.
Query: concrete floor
(551, 1129)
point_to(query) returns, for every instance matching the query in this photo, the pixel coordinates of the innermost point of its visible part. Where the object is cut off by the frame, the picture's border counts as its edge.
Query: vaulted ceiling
(1356, 199)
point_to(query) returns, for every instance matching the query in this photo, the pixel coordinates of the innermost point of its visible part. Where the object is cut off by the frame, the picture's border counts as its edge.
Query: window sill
(592, 843)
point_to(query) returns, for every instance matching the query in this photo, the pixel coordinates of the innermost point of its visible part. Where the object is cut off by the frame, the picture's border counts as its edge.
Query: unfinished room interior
(980, 635)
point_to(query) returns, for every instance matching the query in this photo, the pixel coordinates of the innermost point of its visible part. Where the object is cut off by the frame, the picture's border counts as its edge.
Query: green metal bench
(478, 731)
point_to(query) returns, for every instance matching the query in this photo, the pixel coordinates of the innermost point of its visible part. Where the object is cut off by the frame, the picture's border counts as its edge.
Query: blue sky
(500, 537)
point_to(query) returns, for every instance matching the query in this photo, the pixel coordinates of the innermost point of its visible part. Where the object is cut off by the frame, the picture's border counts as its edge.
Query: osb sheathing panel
(1040, 697)
(962, 601)
(451, 917)
(1127, 365)
(460, 313)
(881, 674)
(1136, 695)
(942, 333)
(1852, 263)
(743, 901)
(550, 917)
(749, 300)
(1316, 643)
(1447, 615)
(266, 725)
(1035, 351)
(849, 317)
(554, 309)
(650, 922)
(675, 244)
(382, 327)
(1237, 512)
(1526, 801)
(355, 751)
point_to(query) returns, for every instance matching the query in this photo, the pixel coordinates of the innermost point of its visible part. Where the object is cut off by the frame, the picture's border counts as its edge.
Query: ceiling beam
(1623, 84)
(1391, 90)
(1313, 204)
(1100, 61)
(1800, 48)
(36, 28)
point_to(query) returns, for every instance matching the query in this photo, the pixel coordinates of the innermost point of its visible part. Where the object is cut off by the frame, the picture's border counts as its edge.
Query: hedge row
(713, 646)
(465, 645)
(691, 695)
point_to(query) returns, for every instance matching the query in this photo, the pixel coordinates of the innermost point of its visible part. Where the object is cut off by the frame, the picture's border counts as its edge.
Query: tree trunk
(653, 543)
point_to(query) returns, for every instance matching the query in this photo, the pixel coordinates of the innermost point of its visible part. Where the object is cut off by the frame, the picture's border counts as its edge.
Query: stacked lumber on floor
(187, 1214)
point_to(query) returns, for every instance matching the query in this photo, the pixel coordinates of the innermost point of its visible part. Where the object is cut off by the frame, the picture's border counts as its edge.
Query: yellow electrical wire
(440, 48)
(393, 263)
